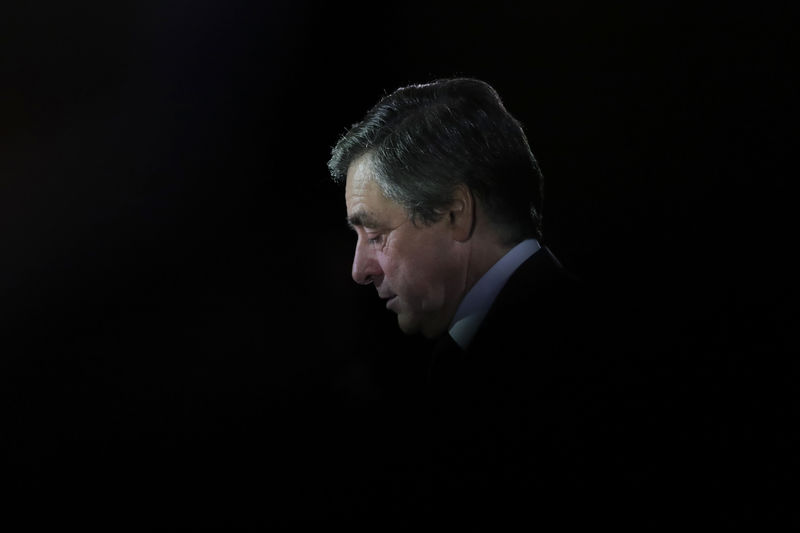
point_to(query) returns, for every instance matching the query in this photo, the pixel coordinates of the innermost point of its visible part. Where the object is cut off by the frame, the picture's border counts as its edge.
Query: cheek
(416, 270)
(419, 282)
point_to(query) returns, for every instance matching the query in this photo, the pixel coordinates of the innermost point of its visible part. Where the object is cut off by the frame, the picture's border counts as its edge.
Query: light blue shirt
(481, 296)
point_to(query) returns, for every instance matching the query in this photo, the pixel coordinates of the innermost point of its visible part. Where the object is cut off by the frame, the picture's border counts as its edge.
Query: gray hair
(424, 140)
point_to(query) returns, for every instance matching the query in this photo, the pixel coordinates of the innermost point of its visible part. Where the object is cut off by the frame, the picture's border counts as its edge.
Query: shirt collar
(481, 296)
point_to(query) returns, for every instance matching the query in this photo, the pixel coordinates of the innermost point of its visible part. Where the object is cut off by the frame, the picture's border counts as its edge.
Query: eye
(375, 240)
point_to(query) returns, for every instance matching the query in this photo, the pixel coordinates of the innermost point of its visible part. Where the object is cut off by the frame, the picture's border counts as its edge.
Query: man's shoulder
(539, 296)
(544, 331)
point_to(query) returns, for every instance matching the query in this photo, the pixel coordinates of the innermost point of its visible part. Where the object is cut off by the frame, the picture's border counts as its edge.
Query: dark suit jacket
(523, 420)
(574, 407)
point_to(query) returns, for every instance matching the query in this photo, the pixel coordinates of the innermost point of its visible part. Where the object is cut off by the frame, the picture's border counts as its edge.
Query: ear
(461, 213)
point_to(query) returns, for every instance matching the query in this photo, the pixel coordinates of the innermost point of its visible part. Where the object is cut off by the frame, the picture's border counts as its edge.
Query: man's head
(440, 181)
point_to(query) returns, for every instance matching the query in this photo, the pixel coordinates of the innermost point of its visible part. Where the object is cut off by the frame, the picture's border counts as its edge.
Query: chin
(410, 326)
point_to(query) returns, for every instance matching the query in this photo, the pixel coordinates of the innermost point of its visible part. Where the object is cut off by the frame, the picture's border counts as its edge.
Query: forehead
(360, 182)
(366, 203)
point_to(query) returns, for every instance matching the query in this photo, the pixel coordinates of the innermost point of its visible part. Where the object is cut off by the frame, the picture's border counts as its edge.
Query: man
(445, 197)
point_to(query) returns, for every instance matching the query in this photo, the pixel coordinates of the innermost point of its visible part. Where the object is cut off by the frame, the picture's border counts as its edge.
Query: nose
(366, 269)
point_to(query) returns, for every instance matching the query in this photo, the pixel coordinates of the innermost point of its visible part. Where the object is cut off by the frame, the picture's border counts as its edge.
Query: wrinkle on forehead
(366, 203)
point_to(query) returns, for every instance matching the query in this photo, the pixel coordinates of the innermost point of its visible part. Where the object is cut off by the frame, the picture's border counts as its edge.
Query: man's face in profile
(414, 267)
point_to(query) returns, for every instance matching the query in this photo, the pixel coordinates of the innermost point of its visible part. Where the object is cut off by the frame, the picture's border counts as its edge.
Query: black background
(181, 340)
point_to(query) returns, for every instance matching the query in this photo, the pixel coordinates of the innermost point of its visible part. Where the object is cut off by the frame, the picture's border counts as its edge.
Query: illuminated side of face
(418, 269)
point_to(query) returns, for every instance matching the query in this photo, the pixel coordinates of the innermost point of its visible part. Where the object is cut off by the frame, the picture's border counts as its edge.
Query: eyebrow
(362, 219)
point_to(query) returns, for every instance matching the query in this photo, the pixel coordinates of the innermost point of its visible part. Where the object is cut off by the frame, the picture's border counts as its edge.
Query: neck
(485, 250)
